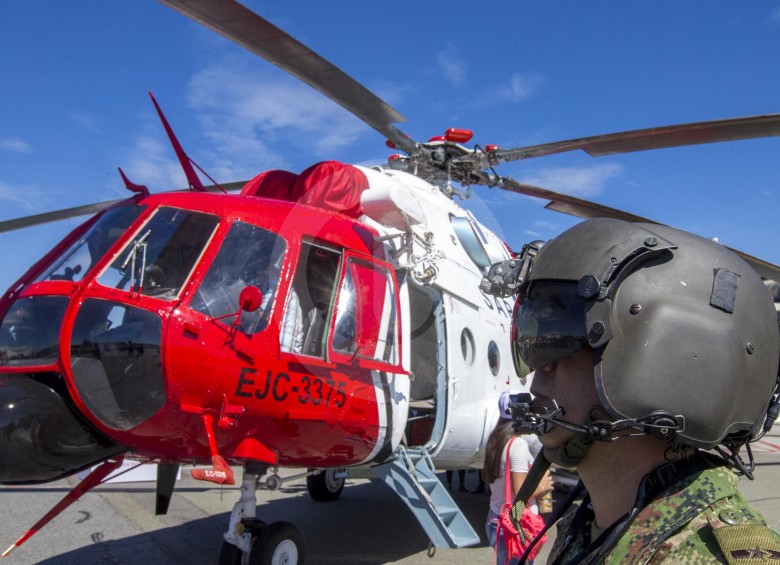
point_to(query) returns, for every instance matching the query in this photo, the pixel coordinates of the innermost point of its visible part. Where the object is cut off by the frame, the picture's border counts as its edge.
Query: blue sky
(74, 104)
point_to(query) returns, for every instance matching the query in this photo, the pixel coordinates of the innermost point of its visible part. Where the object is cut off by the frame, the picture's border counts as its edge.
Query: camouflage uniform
(701, 518)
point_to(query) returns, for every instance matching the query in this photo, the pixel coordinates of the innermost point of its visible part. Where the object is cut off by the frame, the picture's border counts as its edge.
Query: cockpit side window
(74, 263)
(249, 255)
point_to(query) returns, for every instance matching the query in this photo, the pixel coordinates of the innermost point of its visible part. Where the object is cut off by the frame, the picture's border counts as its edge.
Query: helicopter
(329, 320)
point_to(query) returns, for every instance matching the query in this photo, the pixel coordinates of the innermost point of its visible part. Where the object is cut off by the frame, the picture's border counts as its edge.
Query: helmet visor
(549, 325)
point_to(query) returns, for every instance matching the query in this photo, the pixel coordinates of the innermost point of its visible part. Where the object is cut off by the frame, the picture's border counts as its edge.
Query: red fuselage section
(137, 316)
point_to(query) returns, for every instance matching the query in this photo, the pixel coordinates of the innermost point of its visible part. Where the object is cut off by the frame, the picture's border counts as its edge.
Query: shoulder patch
(746, 544)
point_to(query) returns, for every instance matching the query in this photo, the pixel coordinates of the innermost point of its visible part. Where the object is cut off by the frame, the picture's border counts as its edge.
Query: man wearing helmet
(656, 356)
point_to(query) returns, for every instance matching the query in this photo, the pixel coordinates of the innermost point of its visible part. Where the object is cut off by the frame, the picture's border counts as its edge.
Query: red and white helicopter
(330, 320)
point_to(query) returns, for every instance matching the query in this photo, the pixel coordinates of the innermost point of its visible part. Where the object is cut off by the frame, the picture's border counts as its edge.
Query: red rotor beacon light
(390, 144)
(491, 148)
(458, 135)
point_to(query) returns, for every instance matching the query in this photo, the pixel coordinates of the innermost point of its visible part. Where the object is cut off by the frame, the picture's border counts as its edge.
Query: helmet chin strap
(528, 419)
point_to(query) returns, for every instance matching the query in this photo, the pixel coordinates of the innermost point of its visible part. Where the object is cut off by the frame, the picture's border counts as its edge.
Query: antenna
(131, 186)
(184, 159)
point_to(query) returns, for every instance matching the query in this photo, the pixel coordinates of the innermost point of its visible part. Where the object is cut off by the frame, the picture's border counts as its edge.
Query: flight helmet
(685, 336)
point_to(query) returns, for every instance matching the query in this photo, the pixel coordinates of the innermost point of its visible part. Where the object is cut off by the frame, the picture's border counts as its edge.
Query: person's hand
(546, 484)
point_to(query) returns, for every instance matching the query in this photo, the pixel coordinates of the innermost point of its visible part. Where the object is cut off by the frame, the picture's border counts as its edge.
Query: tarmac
(369, 524)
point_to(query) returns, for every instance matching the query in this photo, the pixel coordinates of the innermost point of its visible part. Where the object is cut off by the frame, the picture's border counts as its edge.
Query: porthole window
(494, 358)
(467, 346)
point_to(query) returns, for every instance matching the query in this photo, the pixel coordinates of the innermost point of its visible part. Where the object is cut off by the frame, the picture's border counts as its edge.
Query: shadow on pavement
(368, 524)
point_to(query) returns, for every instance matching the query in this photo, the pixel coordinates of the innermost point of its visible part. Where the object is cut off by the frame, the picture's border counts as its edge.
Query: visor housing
(549, 324)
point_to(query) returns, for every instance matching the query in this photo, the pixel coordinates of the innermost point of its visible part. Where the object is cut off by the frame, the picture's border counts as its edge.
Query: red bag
(530, 522)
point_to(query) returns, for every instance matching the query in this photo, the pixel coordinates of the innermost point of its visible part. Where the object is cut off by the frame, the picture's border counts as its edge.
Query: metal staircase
(412, 475)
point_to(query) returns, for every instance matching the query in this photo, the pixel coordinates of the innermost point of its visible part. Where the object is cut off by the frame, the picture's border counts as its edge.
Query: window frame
(395, 364)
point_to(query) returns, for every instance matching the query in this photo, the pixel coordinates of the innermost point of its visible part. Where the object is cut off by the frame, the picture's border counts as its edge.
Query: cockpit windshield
(161, 256)
(249, 256)
(74, 263)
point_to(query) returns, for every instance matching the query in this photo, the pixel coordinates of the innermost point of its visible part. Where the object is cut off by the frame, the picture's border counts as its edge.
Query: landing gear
(278, 544)
(326, 485)
(249, 541)
(232, 555)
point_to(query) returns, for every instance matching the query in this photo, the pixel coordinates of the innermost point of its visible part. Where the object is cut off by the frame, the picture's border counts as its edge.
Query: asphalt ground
(115, 523)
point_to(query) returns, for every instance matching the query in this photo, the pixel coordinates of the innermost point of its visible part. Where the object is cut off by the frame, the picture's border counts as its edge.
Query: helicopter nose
(41, 437)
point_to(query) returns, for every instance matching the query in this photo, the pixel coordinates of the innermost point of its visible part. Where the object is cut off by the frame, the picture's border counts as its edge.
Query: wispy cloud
(238, 106)
(584, 182)
(244, 116)
(517, 88)
(26, 197)
(543, 229)
(15, 144)
(85, 121)
(520, 87)
(451, 65)
(392, 93)
(774, 17)
(544, 225)
(149, 161)
(515, 218)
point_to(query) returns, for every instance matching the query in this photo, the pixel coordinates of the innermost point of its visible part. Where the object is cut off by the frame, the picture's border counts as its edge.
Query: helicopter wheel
(229, 554)
(279, 544)
(326, 485)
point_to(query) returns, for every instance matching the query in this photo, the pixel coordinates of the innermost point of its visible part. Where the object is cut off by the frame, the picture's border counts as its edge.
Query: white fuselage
(456, 339)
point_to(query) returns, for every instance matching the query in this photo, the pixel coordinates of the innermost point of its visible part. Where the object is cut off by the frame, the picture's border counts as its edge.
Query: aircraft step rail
(412, 475)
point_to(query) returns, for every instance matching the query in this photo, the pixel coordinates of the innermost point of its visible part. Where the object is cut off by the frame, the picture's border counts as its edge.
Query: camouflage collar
(664, 505)
(671, 510)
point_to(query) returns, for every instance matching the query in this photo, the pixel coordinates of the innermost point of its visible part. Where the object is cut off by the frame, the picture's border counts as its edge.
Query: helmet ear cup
(676, 349)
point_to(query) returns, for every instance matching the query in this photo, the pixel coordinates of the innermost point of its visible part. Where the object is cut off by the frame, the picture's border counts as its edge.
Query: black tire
(279, 544)
(325, 486)
(229, 554)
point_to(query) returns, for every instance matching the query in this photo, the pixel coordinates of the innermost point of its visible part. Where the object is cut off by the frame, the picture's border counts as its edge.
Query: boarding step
(412, 475)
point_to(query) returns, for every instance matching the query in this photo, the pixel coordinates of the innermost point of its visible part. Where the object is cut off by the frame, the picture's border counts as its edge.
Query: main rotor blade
(87, 209)
(570, 204)
(241, 25)
(586, 209)
(732, 129)
(47, 217)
